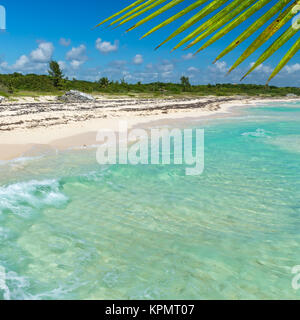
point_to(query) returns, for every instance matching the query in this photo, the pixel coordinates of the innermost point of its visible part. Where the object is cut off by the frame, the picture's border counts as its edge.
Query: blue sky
(38, 31)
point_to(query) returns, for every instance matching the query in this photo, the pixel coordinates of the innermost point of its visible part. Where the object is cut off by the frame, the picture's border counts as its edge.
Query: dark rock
(76, 96)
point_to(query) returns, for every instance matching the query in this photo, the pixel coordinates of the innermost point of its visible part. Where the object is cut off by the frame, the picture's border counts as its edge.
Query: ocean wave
(19, 160)
(24, 197)
(12, 286)
(257, 133)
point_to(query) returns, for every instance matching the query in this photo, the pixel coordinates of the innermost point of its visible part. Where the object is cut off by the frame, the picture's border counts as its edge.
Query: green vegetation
(56, 74)
(222, 20)
(104, 82)
(17, 84)
(185, 83)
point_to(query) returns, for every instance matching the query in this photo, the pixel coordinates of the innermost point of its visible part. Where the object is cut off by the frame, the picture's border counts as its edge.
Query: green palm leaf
(227, 28)
(136, 3)
(226, 15)
(177, 16)
(152, 5)
(253, 28)
(223, 16)
(197, 17)
(288, 56)
(145, 5)
(155, 14)
(286, 36)
(265, 35)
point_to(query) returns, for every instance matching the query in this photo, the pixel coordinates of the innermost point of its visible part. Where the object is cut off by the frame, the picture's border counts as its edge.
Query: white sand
(27, 122)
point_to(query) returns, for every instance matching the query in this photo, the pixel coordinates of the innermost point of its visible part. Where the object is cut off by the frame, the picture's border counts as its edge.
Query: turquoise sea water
(71, 229)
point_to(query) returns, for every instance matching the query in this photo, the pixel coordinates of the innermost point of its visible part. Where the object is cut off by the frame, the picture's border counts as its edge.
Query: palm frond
(288, 56)
(222, 16)
(225, 15)
(234, 23)
(278, 43)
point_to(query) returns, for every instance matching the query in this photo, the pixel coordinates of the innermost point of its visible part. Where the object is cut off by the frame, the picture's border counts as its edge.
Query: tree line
(56, 82)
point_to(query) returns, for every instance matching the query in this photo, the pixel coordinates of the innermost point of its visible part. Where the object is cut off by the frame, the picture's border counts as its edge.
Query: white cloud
(172, 70)
(166, 66)
(293, 68)
(78, 53)
(65, 42)
(138, 59)
(21, 62)
(262, 68)
(118, 63)
(192, 69)
(188, 56)
(37, 61)
(75, 64)
(149, 66)
(62, 64)
(221, 66)
(4, 65)
(43, 53)
(77, 56)
(106, 46)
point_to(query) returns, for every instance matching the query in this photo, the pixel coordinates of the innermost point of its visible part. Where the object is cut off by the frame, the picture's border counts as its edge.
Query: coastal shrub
(185, 83)
(13, 83)
(56, 74)
(103, 82)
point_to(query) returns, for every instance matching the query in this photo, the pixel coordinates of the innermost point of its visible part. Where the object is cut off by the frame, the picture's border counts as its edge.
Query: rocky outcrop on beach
(291, 95)
(76, 96)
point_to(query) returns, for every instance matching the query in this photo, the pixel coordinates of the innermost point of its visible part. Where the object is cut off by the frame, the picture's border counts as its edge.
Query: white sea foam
(16, 287)
(85, 147)
(19, 160)
(257, 133)
(12, 286)
(22, 198)
(3, 286)
(58, 293)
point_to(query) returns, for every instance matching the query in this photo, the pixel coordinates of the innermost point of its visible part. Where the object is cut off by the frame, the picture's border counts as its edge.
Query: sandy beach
(29, 125)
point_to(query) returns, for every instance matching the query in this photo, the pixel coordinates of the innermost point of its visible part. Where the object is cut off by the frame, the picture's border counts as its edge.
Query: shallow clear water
(71, 229)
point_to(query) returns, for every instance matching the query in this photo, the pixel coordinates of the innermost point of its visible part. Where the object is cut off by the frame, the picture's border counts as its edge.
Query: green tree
(279, 19)
(10, 87)
(104, 82)
(123, 82)
(55, 73)
(185, 83)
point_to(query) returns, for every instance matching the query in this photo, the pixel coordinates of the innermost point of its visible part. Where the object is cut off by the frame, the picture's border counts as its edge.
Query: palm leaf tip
(134, 4)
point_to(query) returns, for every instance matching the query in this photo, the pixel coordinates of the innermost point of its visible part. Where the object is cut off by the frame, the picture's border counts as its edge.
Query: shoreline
(30, 127)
